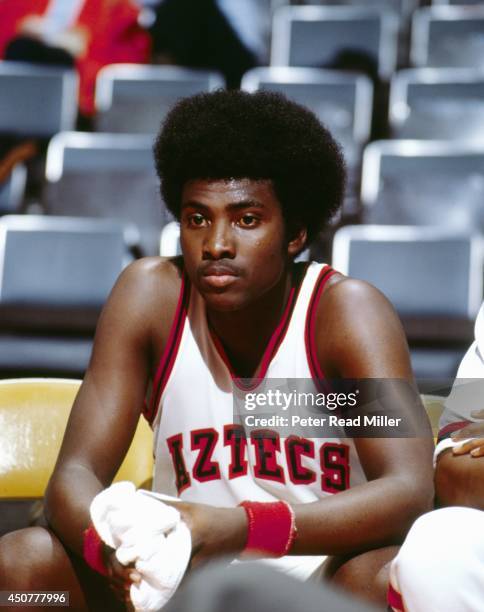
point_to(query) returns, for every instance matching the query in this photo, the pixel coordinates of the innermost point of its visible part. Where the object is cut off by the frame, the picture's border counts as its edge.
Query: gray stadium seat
(36, 100)
(438, 103)
(170, 240)
(448, 36)
(401, 7)
(455, 2)
(335, 36)
(135, 98)
(109, 176)
(341, 100)
(12, 190)
(56, 274)
(433, 278)
(434, 183)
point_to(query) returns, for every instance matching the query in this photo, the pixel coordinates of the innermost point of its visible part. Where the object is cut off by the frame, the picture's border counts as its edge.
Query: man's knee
(455, 580)
(29, 558)
(365, 575)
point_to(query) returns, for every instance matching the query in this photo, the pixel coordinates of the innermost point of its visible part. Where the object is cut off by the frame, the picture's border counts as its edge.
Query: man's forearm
(372, 515)
(459, 480)
(67, 502)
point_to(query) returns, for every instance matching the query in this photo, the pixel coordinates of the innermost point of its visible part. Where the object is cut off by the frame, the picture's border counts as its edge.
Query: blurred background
(84, 85)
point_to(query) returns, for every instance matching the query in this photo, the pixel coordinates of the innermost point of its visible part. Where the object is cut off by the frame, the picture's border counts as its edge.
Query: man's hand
(474, 447)
(214, 531)
(120, 577)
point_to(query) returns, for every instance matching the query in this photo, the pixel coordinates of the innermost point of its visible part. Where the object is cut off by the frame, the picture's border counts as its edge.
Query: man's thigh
(34, 559)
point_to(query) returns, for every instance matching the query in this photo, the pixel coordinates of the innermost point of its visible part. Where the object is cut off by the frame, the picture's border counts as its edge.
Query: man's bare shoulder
(147, 291)
(355, 325)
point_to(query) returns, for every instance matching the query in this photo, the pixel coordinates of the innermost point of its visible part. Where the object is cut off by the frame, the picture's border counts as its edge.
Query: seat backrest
(33, 417)
(335, 37)
(437, 103)
(135, 98)
(341, 100)
(448, 36)
(37, 100)
(423, 271)
(56, 271)
(435, 183)
(434, 406)
(106, 175)
(170, 240)
(12, 190)
(400, 7)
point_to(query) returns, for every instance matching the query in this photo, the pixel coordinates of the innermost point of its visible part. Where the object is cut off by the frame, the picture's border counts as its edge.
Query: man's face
(233, 240)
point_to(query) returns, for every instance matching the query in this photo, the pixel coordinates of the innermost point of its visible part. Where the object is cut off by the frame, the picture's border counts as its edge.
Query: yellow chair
(33, 417)
(434, 405)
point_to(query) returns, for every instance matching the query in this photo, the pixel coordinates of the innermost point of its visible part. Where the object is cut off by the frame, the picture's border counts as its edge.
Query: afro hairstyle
(263, 135)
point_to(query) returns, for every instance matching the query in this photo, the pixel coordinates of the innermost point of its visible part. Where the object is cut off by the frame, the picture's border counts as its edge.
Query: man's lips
(219, 275)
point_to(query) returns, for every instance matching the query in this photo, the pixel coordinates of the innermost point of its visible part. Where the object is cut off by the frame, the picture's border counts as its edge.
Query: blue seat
(433, 277)
(109, 176)
(56, 274)
(438, 103)
(417, 182)
(335, 36)
(134, 98)
(36, 100)
(448, 36)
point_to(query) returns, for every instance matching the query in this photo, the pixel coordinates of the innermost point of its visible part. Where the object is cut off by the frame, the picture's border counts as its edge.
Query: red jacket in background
(114, 37)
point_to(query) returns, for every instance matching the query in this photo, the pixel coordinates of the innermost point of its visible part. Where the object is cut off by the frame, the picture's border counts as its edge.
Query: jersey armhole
(309, 328)
(170, 351)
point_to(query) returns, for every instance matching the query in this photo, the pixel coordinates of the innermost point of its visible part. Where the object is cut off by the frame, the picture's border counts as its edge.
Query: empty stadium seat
(170, 240)
(433, 183)
(133, 98)
(448, 36)
(56, 274)
(455, 2)
(335, 37)
(12, 190)
(433, 277)
(34, 413)
(109, 176)
(341, 100)
(36, 100)
(438, 103)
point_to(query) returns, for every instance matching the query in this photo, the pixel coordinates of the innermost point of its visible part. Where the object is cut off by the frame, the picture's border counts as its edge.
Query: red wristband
(394, 599)
(93, 551)
(272, 528)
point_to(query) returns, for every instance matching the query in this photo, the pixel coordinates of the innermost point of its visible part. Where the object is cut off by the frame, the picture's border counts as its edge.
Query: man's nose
(219, 242)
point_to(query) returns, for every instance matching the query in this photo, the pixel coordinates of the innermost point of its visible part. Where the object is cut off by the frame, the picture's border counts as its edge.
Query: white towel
(147, 532)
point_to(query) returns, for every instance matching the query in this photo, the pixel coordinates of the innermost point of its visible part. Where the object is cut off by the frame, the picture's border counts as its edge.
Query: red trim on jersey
(309, 335)
(449, 429)
(275, 340)
(170, 351)
(394, 599)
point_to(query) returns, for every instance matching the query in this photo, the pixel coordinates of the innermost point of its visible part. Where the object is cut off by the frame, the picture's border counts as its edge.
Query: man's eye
(196, 220)
(248, 221)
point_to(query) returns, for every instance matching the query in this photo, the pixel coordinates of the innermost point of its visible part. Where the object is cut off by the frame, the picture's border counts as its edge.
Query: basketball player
(252, 179)
(456, 584)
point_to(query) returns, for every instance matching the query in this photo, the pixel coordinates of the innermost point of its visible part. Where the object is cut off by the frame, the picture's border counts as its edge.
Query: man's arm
(459, 480)
(358, 336)
(107, 407)
(459, 473)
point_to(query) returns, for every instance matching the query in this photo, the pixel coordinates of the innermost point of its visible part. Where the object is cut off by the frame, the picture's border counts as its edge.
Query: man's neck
(245, 333)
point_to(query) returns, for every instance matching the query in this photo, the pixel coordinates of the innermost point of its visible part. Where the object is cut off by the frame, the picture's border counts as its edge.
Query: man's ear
(298, 241)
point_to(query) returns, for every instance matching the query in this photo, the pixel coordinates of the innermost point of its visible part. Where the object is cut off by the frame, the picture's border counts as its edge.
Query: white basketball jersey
(213, 461)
